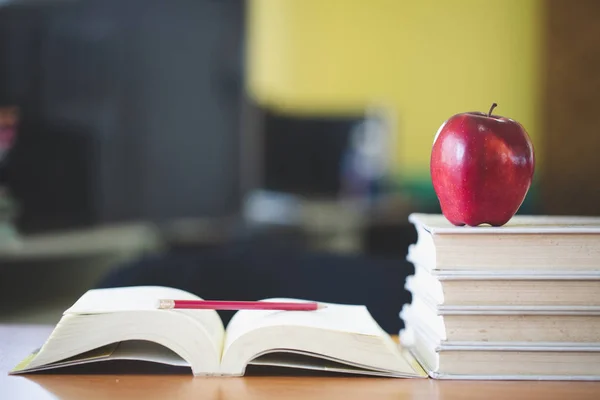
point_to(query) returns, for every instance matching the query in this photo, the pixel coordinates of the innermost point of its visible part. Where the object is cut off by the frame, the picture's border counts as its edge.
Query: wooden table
(16, 341)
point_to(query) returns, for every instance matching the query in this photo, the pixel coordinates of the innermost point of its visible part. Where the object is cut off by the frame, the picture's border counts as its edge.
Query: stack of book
(521, 301)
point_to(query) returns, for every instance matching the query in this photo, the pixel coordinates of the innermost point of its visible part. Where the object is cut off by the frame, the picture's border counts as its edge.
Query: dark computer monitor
(304, 154)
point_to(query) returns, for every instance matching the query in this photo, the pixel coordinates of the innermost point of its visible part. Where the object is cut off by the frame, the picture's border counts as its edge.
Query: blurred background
(141, 130)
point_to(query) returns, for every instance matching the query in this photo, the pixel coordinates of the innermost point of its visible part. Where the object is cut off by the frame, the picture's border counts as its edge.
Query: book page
(132, 298)
(318, 362)
(145, 298)
(134, 350)
(347, 334)
(336, 317)
(146, 351)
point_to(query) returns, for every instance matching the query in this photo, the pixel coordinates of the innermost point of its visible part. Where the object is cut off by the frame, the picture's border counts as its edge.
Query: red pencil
(237, 305)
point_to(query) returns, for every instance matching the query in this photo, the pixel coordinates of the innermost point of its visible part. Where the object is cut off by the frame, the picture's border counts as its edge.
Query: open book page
(105, 317)
(119, 299)
(145, 298)
(135, 350)
(147, 351)
(336, 317)
(341, 333)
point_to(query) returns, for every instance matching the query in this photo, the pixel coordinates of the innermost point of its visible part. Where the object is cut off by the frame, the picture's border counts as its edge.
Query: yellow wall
(426, 59)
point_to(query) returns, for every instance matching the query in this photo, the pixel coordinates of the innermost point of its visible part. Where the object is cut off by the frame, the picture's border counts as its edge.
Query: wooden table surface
(17, 341)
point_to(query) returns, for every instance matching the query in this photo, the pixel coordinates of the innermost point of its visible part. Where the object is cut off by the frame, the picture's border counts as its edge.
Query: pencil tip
(165, 304)
(321, 306)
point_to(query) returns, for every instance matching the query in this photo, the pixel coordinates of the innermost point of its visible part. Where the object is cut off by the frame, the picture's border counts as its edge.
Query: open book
(124, 323)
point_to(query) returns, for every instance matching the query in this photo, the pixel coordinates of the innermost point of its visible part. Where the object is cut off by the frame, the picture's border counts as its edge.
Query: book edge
(437, 375)
(504, 274)
(417, 220)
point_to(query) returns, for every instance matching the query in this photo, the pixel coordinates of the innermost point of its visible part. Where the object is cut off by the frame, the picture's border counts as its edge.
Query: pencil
(167, 304)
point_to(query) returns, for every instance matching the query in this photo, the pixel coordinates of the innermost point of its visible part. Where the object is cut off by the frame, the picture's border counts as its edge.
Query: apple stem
(494, 105)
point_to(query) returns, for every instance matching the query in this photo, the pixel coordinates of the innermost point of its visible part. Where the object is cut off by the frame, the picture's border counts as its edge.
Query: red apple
(481, 168)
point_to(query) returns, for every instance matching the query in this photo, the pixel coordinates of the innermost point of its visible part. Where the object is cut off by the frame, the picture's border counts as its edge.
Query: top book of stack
(552, 245)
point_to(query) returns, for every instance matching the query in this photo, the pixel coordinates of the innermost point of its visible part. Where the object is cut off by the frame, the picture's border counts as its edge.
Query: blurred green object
(419, 189)
(8, 212)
